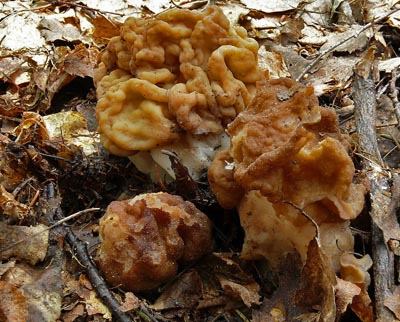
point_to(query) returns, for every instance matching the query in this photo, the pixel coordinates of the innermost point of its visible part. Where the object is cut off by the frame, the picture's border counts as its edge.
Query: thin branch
(317, 237)
(364, 97)
(77, 214)
(353, 36)
(80, 250)
(394, 94)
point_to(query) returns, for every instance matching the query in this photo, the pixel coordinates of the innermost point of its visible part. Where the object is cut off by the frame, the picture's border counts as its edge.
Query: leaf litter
(52, 164)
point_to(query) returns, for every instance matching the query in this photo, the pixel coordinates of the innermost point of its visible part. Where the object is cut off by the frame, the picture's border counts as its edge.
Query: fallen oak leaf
(130, 303)
(248, 293)
(11, 207)
(280, 306)
(13, 304)
(318, 281)
(392, 302)
(184, 292)
(34, 247)
(345, 292)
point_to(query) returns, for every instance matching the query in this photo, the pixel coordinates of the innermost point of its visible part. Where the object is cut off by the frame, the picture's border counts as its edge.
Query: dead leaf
(11, 207)
(95, 306)
(13, 304)
(33, 248)
(248, 293)
(270, 7)
(318, 280)
(71, 128)
(75, 313)
(105, 29)
(53, 30)
(81, 61)
(353, 44)
(362, 307)
(345, 291)
(4, 267)
(41, 289)
(392, 302)
(185, 292)
(281, 306)
(44, 296)
(131, 302)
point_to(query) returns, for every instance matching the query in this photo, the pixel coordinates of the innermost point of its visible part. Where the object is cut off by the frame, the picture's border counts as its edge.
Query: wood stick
(79, 249)
(365, 117)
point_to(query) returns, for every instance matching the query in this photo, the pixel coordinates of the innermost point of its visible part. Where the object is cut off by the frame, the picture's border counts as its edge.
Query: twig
(394, 94)
(98, 283)
(80, 251)
(317, 235)
(77, 214)
(365, 117)
(332, 48)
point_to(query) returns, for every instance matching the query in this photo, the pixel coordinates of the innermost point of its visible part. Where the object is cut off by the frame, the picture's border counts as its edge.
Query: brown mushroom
(145, 238)
(174, 80)
(285, 148)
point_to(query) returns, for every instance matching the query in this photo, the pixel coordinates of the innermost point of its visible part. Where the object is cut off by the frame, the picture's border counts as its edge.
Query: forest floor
(56, 179)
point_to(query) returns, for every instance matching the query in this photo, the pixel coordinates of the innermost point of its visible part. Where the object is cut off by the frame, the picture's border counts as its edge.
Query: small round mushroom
(145, 238)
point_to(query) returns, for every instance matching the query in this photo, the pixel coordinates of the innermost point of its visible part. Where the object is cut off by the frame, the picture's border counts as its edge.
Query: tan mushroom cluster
(145, 238)
(179, 76)
(285, 148)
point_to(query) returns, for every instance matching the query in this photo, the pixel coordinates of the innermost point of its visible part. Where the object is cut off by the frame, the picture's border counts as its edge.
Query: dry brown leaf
(362, 307)
(33, 248)
(185, 292)
(345, 292)
(11, 207)
(281, 306)
(4, 267)
(318, 280)
(75, 313)
(131, 302)
(95, 306)
(44, 296)
(13, 304)
(81, 61)
(105, 29)
(41, 288)
(53, 30)
(248, 293)
(271, 6)
(392, 302)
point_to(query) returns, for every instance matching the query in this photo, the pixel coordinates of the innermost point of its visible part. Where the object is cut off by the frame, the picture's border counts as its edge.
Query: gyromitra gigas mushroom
(286, 149)
(174, 81)
(145, 238)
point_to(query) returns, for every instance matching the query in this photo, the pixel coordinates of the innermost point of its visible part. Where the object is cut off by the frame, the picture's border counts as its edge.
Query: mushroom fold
(285, 148)
(145, 238)
(178, 76)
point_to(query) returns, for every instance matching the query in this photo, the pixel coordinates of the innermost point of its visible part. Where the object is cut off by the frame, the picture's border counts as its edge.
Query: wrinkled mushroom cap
(143, 240)
(289, 148)
(355, 269)
(285, 148)
(181, 71)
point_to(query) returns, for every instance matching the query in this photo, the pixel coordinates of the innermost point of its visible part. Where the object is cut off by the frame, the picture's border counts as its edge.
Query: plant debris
(57, 179)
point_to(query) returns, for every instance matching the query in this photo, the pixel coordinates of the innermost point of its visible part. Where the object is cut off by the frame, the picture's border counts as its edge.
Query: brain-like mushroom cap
(144, 239)
(289, 148)
(181, 71)
(285, 148)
